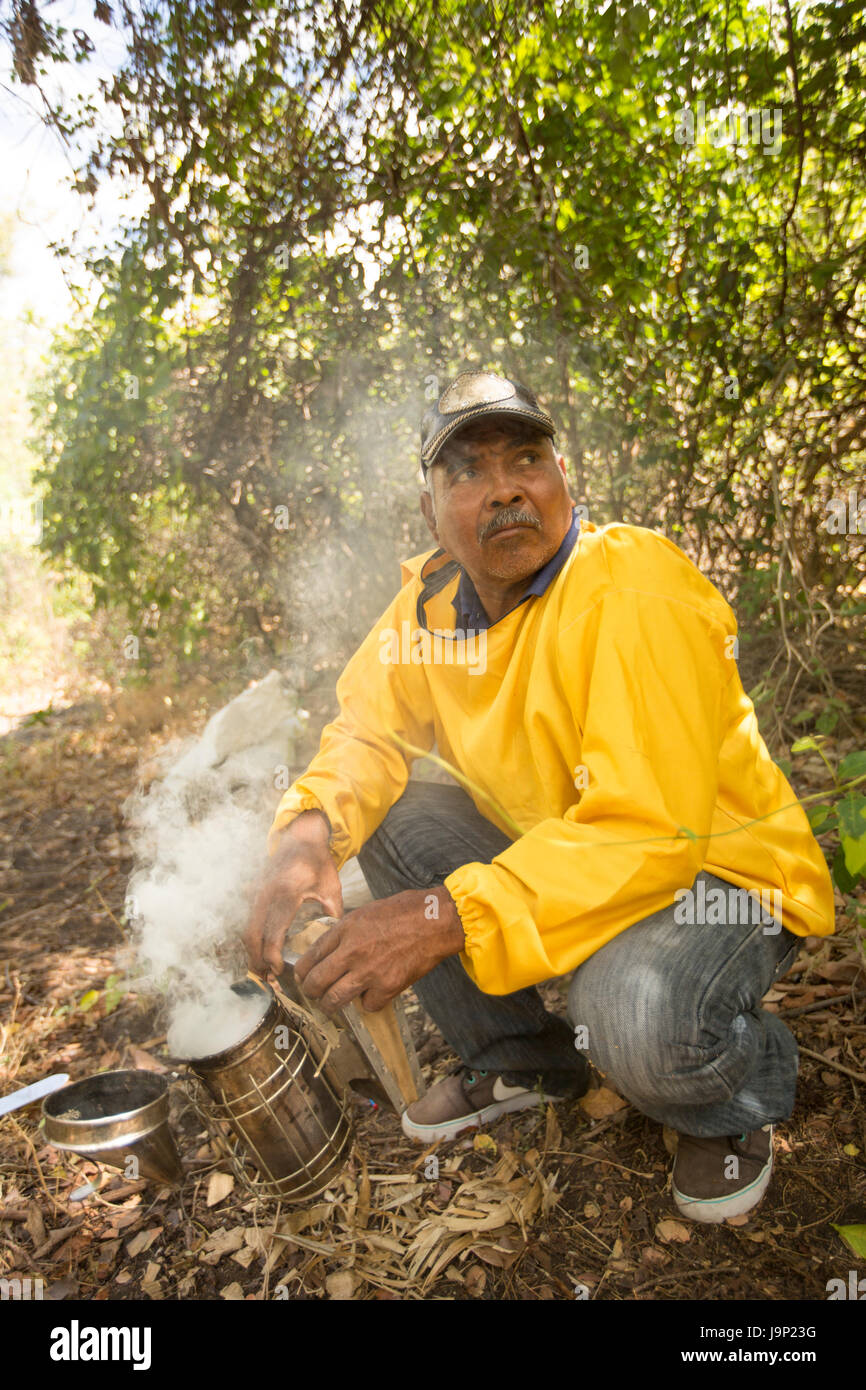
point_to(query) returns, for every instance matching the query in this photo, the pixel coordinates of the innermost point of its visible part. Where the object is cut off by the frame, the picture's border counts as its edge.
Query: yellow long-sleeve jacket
(606, 716)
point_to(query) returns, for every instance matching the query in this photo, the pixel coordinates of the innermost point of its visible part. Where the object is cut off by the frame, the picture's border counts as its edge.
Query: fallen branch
(683, 1274)
(31, 1146)
(595, 1158)
(857, 1075)
(815, 1006)
(56, 1237)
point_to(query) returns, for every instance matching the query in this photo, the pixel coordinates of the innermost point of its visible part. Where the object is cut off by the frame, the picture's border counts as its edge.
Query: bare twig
(857, 1075)
(57, 1236)
(595, 1158)
(109, 911)
(31, 1146)
(815, 1005)
(683, 1275)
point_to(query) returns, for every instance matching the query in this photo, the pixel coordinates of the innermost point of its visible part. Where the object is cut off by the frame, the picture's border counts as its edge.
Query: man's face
(500, 506)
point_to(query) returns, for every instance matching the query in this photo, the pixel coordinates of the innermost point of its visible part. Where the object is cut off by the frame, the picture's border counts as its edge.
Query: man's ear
(429, 514)
(560, 461)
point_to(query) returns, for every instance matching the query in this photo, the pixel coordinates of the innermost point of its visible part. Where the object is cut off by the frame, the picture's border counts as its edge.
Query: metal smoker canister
(116, 1116)
(293, 1124)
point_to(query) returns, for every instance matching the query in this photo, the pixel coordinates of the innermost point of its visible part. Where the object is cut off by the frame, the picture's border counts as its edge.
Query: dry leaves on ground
(673, 1232)
(218, 1188)
(401, 1242)
(602, 1102)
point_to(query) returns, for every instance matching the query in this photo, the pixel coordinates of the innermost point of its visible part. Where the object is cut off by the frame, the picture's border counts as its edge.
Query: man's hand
(301, 870)
(380, 949)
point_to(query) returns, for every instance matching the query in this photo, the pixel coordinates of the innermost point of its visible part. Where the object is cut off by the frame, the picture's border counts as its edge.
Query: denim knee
(627, 1023)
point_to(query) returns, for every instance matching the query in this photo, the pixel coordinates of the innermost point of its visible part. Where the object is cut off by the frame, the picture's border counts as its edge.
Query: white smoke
(199, 836)
(200, 1028)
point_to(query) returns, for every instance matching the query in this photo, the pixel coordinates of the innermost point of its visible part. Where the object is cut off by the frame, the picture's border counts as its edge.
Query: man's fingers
(324, 972)
(332, 903)
(347, 988)
(254, 934)
(372, 1000)
(253, 930)
(321, 947)
(298, 869)
(273, 913)
(277, 906)
(275, 935)
(330, 890)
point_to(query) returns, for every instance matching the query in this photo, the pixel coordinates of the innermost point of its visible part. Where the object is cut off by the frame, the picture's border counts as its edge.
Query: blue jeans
(671, 1012)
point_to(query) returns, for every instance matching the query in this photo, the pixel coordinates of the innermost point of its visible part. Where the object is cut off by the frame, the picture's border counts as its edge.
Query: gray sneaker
(466, 1100)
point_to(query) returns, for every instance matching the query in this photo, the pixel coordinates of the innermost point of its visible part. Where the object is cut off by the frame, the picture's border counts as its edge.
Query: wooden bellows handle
(384, 1032)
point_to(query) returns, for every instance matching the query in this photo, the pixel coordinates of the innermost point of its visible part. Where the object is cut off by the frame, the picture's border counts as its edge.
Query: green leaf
(820, 816)
(852, 815)
(40, 716)
(114, 992)
(855, 854)
(88, 1000)
(852, 766)
(821, 272)
(841, 877)
(636, 20)
(854, 1237)
(827, 721)
(804, 745)
(803, 716)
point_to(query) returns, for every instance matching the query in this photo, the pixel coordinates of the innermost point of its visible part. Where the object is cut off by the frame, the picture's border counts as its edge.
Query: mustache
(509, 516)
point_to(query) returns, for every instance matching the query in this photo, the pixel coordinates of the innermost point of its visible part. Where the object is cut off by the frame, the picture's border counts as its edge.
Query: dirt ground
(569, 1202)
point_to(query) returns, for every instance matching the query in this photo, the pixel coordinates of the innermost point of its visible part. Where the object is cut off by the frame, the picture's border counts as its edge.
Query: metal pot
(113, 1117)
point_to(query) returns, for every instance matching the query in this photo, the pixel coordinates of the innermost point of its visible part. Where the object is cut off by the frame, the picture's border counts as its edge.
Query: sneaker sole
(432, 1134)
(714, 1210)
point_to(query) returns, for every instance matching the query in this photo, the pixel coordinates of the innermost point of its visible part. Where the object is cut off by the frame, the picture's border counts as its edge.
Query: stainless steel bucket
(115, 1117)
(293, 1123)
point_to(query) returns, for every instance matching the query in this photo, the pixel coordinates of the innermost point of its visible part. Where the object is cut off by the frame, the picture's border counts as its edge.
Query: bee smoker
(282, 1106)
(288, 1111)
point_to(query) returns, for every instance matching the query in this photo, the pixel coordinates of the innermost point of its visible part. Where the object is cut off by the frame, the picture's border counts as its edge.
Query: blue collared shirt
(468, 607)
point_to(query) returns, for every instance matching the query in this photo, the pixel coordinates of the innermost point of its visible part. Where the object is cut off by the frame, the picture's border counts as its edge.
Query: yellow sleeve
(359, 771)
(649, 718)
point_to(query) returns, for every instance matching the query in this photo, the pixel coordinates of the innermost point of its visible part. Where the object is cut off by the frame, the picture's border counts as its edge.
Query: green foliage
(345, 205)
(854, 1237)
(844, 819)
(113, 993)
(39, 716)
